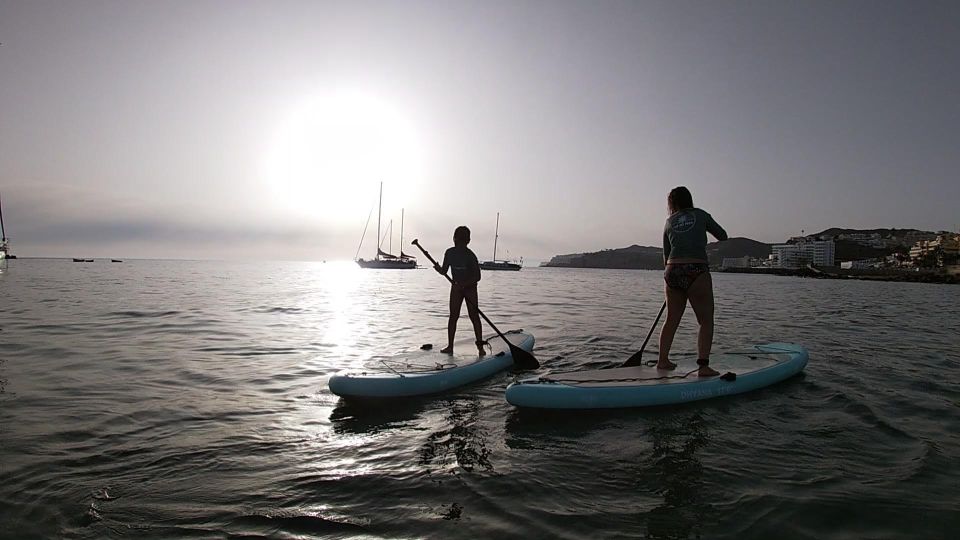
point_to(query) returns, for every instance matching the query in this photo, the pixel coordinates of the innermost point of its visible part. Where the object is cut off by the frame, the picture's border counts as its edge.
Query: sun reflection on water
(339, 281)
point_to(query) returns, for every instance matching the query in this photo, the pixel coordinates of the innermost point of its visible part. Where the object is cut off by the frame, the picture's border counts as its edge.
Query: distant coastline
(950, 276)
(875, 254)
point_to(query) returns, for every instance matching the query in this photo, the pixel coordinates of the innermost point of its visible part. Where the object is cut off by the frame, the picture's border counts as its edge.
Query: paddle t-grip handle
(416, 242)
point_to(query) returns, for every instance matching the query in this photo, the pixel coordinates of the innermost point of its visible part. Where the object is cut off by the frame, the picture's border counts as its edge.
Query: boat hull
(388, 264)
(499, 265)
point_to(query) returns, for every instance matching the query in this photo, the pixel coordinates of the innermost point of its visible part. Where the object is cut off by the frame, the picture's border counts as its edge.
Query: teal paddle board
(644, 386)
(422, 372)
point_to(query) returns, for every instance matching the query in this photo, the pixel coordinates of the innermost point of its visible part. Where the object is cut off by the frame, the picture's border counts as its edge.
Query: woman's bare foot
(666, 365)
(447, 350)
(707, 371)
(481, 350)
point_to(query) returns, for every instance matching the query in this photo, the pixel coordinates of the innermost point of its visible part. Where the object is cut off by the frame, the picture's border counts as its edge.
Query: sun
(331, 151)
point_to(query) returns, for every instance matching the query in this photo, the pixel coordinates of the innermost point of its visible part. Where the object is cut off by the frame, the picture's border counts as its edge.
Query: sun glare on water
(330, 153)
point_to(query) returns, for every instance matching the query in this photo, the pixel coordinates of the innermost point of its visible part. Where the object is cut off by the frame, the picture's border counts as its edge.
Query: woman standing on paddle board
(687, 275)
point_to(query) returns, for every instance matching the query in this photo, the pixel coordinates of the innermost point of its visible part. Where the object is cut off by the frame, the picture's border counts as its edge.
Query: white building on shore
(738, 262)
(802, 253)
(943, 250)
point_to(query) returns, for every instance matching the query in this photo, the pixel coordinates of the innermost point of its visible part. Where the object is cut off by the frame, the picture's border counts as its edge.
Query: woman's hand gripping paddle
(521, 358)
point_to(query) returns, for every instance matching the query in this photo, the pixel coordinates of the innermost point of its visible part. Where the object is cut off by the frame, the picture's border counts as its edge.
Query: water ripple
(188, 399)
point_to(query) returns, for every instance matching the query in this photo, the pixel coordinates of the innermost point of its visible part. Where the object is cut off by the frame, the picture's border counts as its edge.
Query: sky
(240, 129)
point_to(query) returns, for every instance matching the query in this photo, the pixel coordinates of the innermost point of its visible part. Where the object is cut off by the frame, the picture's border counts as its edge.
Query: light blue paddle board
(422, 372)
(643, 386)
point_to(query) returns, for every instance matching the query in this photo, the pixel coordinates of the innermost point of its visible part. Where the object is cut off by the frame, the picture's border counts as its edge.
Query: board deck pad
(464, 354)
(420, 372)
(739, 363)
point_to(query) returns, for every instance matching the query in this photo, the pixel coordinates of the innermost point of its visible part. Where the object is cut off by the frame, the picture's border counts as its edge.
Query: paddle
(636, 358)
(521, 358)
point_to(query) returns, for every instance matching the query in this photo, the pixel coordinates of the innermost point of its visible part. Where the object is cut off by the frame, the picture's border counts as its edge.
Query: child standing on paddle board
(687, 275)
(465, 272)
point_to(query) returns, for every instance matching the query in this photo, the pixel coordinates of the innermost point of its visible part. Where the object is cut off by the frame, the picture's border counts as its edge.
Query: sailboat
(500, 265)
(4, 242)
(384, 259)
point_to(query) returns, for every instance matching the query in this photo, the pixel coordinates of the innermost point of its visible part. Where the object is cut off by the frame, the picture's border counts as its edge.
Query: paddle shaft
(636, 357)
(652, 328)
(469, 301)
(517, 351)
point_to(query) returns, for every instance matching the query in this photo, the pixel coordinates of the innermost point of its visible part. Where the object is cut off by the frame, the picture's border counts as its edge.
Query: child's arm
(446, 264)
(474, 268)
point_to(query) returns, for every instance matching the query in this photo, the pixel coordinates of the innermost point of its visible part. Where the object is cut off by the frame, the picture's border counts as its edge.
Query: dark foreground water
(188, 399)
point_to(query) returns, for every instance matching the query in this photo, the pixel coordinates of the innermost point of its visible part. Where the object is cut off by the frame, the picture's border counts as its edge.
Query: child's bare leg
(451, 333)
(456, 300)
(472, 311)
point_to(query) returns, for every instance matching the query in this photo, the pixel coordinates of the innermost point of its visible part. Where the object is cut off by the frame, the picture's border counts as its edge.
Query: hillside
(845, 250)
(635, 257)
(735, 248)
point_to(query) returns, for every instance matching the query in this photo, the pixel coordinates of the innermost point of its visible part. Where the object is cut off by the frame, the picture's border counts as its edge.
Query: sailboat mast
(496, 235)
(391, 237)
(379, 211)
(3, 231)
(401, 233)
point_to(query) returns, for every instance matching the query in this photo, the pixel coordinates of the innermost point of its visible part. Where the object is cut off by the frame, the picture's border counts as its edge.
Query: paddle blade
(635, 359)
(523, 359)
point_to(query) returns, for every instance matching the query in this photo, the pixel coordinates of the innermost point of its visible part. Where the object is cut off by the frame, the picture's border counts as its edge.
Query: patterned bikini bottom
(680, 276)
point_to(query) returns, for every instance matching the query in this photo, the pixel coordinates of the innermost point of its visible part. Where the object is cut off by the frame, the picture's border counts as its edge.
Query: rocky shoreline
(870, 275)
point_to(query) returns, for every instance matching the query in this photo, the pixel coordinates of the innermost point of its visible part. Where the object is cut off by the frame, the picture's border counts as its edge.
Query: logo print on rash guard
(684, 222)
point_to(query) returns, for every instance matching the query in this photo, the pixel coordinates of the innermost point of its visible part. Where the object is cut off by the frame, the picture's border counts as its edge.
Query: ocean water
(182, 399)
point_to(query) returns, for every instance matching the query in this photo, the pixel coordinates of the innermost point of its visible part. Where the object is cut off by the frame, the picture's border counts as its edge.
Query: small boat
(115, 260)
(383, 259)
(82, 260)
(500, 265)
(384, 263)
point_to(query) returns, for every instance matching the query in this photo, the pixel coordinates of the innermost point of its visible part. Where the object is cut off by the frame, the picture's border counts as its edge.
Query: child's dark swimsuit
(463, 265)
